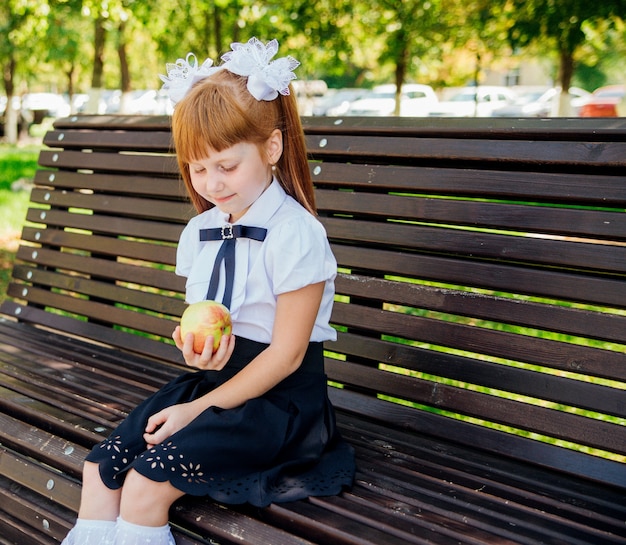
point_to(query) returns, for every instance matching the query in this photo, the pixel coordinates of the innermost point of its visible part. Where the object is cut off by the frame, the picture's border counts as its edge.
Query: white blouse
(294, 254)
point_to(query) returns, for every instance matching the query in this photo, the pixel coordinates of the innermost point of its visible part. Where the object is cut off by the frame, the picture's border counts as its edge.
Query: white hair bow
(266, 78)
(183, 74)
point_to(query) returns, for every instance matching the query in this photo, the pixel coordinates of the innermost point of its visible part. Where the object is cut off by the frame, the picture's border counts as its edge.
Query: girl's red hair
(219, 112)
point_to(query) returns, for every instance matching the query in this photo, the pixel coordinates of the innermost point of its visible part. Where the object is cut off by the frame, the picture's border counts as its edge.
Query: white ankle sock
(91, 532)
(127, 533)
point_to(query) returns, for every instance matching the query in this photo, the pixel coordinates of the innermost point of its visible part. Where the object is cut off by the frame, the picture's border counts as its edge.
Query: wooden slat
(153, 186)
(101, 224)
(486, 275)
(122, 340)
(571, 321)
(565, 222)
(520, 449)
(114, 205)
(592, 129)
(102, 245)
(155, 141)
(511, 346)
(476, 244)
(399, 150)
(107, 162)
(102, 268)
(556, 187)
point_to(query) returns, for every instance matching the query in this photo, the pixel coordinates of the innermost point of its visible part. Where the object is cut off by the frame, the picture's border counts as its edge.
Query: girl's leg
(99, 509)
(144, 511)
(147, 502)
(97, 501)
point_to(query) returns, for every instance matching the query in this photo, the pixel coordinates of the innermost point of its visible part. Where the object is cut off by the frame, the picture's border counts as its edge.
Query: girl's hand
(167, 422)
(206, 360)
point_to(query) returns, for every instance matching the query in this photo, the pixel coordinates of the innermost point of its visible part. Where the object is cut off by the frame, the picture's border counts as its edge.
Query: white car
(416, 101)
(478, 101)
(542, 102)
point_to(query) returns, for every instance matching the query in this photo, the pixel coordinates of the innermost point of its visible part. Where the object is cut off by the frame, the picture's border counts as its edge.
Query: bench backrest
(482, 294)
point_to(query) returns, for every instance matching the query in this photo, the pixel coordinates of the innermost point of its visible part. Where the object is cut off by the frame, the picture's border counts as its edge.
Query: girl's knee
(91, 475)
(145, 501)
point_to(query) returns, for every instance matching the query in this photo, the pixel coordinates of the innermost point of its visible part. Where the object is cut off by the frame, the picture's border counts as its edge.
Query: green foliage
(346, 43)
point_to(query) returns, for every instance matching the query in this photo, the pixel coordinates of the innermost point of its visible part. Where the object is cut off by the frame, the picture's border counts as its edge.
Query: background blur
(104, 56)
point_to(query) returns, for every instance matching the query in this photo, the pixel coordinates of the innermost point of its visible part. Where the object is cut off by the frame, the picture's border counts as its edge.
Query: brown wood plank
(552, 317)
(570, 187)
(139, 123)
(394, 417)
(543, 386)
(99, 312)
(510, 346)
(490, 408)
(486, 275)
(164, 304)
(476, 244)
(113, 205)
(29, 345)
(613, 129)
(155, 141)
(103, 245)
(103, 224)
(399, 150)
(153, 186)
(565, 222)
(576, 128)
(110, 162)
(121, 340)
(102, 268)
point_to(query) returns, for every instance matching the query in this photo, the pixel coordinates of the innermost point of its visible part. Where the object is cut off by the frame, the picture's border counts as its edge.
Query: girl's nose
(214, 183)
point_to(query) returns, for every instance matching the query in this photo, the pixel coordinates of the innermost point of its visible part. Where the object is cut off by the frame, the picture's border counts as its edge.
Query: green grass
(16, 163)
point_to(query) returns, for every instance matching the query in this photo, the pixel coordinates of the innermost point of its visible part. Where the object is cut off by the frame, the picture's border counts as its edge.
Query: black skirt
(279, 447)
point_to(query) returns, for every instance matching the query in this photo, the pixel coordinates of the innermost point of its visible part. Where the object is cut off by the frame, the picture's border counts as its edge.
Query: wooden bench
(480, 370)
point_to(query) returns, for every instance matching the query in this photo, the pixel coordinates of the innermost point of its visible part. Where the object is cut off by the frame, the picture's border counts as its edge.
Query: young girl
(253, 423)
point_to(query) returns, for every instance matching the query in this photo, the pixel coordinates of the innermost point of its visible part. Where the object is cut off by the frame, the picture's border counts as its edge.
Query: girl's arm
(296, 312)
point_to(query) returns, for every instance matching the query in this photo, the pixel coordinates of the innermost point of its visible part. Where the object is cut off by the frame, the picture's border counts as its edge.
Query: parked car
(37, 106)
(608, 101)
(478, 101)
(337, 102)
(541, 102)
(416, 100)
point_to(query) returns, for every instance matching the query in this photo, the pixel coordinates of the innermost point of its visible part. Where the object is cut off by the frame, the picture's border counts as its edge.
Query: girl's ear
(274, 146)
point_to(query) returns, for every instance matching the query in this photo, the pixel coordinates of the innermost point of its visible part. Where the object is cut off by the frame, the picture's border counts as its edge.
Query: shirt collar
(259, 214)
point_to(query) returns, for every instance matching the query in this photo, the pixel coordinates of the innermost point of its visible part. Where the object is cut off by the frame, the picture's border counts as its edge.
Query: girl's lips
(222, 200)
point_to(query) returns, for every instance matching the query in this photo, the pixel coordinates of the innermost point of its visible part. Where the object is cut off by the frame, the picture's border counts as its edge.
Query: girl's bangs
(212, 117)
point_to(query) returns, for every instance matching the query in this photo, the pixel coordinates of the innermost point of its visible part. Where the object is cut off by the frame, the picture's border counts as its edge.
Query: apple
(205, 319)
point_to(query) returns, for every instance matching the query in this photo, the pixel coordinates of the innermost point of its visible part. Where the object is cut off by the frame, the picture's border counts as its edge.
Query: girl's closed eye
(228, 168)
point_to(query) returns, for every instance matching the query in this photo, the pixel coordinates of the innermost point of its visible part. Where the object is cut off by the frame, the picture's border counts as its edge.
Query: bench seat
(480, 367)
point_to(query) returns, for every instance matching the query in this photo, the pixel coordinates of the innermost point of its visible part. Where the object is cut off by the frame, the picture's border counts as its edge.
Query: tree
(22, 22)
(561, 25)
(66, 29)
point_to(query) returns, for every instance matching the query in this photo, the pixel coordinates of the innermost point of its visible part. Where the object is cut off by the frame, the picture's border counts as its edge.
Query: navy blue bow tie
(229, 234)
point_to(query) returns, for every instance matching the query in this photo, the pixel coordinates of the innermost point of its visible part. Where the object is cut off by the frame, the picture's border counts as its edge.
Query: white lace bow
(266, 77)
(183, 74)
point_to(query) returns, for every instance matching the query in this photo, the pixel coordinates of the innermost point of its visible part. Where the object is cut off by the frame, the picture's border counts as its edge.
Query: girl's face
(232, 179)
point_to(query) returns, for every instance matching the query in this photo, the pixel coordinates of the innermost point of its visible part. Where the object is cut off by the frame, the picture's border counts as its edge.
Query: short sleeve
(187, 249)
(300, 255)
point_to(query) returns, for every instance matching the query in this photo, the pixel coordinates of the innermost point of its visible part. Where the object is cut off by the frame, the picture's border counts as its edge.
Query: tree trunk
(125, 83)
(401, 64)
(566, 70)
(95, 93)
(11, 115)
(217, 29)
